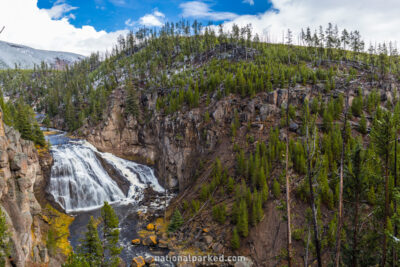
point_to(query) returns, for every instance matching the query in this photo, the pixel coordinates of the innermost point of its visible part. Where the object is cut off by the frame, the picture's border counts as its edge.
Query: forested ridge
(335, 151)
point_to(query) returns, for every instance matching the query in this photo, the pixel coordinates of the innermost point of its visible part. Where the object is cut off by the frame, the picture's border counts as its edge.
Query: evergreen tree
(176, 221)
(110, 236)
(382, 137)
(235, 241)
(38, 136)
(362, 128)
(91, 248)
(219, 213)
(276, 189)
(75, 260)
(132, 99)
(243, 221)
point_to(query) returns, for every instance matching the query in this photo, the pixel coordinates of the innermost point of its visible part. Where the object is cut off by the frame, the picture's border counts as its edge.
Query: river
(81, 181)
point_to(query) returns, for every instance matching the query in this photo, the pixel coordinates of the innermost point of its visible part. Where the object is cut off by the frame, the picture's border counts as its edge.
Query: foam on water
(80, 183)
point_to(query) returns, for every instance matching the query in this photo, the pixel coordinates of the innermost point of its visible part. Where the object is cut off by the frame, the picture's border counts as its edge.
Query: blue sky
(86, 26)
(112, 15)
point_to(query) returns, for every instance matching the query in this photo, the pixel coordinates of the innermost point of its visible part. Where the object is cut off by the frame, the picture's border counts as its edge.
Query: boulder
(138, 262)
(151, 227)
(150, 240)
(219, 113)
(149, 260)
(162, 243)
(293, 127)
(136, 241)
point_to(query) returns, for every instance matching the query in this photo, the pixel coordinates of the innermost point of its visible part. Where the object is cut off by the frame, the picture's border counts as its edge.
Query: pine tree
(276, 189)
(22, 122)
(235, 241)
(362, 128)
(91, 247)
(38, 136)
(231, 185)
(382, 136)
(110, 236)
(243, 222)
(219, 213)
(176, 221)
(132, 99)
(264, 192)
(76, 260)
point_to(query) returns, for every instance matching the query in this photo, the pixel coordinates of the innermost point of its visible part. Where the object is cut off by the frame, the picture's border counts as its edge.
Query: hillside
(25, 57)
(241, 130)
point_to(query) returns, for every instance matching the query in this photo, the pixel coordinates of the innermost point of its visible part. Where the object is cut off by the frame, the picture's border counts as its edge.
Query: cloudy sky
(94, 25)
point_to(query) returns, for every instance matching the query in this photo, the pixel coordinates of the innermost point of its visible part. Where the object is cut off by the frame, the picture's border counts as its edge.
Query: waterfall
(79, 182)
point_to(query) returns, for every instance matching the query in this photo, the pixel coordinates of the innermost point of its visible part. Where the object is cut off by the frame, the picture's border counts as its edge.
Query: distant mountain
(26, 57)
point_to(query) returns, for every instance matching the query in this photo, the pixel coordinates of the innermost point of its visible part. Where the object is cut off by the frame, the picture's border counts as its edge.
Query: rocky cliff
(19, 171)
(183, 147)
(175, 144)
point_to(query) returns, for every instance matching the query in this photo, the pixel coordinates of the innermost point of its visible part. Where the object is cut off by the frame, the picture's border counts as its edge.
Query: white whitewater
(80, 183)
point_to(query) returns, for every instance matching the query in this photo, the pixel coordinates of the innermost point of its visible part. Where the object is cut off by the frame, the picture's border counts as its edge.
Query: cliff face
(165, 142)
(176, 144)
(19, 171)
(183, 147)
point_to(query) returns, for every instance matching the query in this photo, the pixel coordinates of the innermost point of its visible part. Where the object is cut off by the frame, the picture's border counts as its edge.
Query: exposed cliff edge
(20, 170)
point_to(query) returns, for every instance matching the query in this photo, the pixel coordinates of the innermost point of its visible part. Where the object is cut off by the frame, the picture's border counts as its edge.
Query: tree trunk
(312, 203)
(386, 210)
(340, 208)
(395, 202)
(289, 232)
(355, 223)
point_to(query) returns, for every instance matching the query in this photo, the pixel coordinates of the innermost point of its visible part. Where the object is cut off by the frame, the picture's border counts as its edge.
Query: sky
(94, 25)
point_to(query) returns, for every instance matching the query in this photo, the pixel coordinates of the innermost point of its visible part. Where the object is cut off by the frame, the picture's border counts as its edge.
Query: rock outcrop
(19, 171)
(174, 144)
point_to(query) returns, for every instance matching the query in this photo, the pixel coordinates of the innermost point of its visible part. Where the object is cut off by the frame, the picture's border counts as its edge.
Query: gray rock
(293, 126)
(264, 112)
(19, 161)
(218, 113)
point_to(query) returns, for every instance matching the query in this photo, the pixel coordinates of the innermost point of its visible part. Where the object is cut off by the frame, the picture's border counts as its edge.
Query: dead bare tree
(289, 232)
(2, 29)
(340, 204)
(310, 174)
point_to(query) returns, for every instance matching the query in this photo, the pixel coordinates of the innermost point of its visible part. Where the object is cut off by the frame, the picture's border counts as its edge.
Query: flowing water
(80, 183)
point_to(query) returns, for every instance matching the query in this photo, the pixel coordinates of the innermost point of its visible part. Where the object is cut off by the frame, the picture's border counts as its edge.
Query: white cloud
(60, 9)
(158, 14)
(152, 20)
(376, 20)
(201, 10)
(129, 23)
(250, 2)
(27, 24)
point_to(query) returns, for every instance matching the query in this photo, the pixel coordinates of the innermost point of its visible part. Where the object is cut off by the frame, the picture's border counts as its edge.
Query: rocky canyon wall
(19, 171)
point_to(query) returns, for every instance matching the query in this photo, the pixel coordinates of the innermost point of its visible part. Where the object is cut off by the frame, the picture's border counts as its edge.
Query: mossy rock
(151, 227)
(138, 262)
(136, 241)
